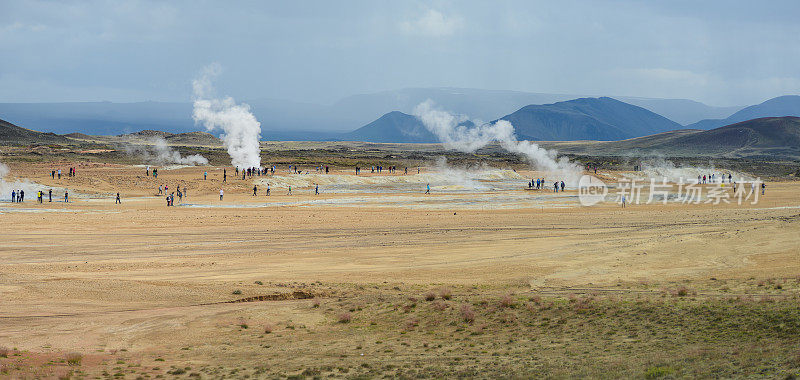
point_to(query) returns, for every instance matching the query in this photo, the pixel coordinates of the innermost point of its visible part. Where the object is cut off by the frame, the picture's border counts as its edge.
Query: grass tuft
(344, 317)
(467, 314)
(74, 358)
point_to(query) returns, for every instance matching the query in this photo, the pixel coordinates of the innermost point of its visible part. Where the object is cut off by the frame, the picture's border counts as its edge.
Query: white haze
(241, 132)
(159, 153)
(660, 168)
(471, 138)
(7, 187)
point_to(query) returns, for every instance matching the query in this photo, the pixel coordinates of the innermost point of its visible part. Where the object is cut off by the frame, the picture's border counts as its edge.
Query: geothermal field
(485, 276)
(399, 190)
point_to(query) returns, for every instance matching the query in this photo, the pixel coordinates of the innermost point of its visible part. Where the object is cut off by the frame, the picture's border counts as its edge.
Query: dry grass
(344, 317)
(467, 314)
(600, 335)
(73, 358)
(507, 301)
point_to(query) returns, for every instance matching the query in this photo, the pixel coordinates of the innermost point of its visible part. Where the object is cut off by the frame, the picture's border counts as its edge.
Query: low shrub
(73, 358)
(345, 317)
(467, 313)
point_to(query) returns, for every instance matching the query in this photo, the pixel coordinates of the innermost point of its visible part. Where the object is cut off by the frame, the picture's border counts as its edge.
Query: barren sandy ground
(149, 282)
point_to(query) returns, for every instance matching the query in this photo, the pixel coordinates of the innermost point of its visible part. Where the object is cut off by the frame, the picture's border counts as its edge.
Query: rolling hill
(578, 119)
(587, 119)
(490, 104)
(787, 105)
(394, 126)
(12, 134)
(771, 137)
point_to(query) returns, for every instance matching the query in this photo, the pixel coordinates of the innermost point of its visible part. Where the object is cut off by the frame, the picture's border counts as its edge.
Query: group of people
(712, 178)
(171, 196)
(155, 172)
(55, 173)
(18, 196)
(40, 196)
(251, 172)
(537, 183)
(379, 169)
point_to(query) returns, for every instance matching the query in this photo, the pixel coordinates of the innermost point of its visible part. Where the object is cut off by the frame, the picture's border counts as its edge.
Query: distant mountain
(490, 104)
(788, 105)
(771, 137)
(578, 119)
(766, 136)
(101, 118)
(12, 134)
(394, 126)
(587, 119)
(286, 119)
(682, 111)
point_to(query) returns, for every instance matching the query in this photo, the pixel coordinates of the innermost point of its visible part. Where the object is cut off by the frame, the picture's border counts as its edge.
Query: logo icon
(591, 190)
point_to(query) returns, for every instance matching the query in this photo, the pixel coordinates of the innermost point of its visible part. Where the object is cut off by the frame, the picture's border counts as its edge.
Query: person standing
(255, 190)
(224, 175)
(50, 196)
(220, 194)
(118, 201)
(316, 189)
(13, 196)
(66, 196)
(205, 175)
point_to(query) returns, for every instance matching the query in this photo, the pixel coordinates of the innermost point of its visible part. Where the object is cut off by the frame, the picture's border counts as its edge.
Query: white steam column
(241, 132)
(453, 135)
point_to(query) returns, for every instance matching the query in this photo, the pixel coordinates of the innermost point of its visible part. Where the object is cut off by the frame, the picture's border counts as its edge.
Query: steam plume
(7, 187)
(241, 131)
(454, 135)
(160, 154)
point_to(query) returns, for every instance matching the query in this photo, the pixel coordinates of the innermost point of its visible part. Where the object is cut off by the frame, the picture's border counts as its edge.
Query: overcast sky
(721, 53)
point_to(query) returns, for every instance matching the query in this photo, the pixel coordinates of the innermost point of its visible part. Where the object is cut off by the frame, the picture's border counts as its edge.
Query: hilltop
(13, 134)
(587, 119)
(771, 138)
(787, 105)
(578, 119)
